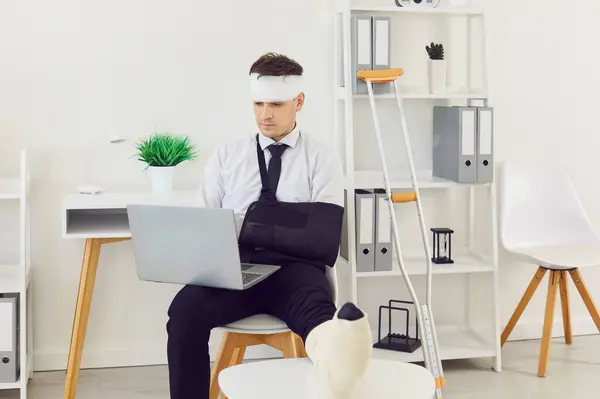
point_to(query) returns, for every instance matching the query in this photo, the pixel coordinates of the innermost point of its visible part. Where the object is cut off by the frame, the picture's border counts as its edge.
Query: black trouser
(299, 294)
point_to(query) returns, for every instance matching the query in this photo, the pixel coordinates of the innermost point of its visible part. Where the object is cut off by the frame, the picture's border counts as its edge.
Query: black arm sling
(287, 232)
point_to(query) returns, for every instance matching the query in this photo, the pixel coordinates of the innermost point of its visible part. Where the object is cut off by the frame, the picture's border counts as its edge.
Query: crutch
(424, 314)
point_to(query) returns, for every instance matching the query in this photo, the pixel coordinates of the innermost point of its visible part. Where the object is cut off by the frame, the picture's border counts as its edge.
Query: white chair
(259, 330)
(543, 222)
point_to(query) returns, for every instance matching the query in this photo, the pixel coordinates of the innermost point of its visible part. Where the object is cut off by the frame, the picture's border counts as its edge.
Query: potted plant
(436, 68)
(162, 153)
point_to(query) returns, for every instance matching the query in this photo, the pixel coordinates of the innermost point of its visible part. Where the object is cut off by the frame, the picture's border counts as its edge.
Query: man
(299, 293)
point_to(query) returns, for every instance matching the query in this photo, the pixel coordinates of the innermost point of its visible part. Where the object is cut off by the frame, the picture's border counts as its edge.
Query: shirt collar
(291, 139)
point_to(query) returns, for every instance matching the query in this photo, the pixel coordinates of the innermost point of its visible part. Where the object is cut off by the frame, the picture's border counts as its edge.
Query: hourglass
(442, 245)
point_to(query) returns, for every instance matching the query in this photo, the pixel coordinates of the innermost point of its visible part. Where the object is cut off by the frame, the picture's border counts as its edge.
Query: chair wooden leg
(233, 348)
(535, 282)
(236, 358)
(585, 295)
(238, 355)
(224, 357)
(289, 345)
(301, 350)
(548, 321)
(566, 311)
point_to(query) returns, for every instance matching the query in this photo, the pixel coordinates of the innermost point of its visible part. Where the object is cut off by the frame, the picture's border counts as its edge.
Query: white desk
(100, 219)
(296, 379)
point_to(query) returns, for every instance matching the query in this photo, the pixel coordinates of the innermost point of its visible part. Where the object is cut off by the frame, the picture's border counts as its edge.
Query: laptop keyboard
(249, 277)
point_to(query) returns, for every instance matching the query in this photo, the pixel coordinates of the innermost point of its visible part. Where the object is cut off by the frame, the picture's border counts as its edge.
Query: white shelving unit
(475, 333)
(15, 275)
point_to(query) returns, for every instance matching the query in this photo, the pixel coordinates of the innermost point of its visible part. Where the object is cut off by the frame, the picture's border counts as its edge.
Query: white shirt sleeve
(328, 179)
(211, 191)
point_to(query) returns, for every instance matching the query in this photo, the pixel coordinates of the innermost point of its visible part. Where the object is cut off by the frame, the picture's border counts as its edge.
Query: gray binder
(9, 338)
(383, 232)
(362, 53)
(485, 145)
(454, 143)
(344, 237)
(381, 50)
(365, 234)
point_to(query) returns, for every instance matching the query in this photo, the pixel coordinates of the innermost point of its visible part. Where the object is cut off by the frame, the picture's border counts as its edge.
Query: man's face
(277, 119)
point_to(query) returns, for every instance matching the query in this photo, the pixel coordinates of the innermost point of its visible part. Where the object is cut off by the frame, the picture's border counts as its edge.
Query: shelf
(10, 278)
(420, 10)
(415, 94)
(370, 179)
(464, 263)
(459, 344)
(10, 188)
(10, 385)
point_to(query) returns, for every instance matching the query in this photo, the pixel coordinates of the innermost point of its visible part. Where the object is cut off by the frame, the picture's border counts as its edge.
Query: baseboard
(94, 357)
(106, 358)
(533, 330)
(149, 355)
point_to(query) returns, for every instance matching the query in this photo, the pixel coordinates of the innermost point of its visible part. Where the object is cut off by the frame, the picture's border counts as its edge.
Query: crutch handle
(380, 75)
(404, 197)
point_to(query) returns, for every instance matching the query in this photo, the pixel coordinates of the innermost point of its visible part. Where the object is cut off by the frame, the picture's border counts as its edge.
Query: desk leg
(82, 310)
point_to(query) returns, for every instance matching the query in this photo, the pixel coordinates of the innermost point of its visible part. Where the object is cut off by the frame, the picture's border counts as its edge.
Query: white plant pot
(161, 178)
(437, 76)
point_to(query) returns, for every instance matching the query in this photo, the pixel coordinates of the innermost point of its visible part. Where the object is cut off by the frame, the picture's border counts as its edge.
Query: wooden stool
(558, 278)
(255, 330)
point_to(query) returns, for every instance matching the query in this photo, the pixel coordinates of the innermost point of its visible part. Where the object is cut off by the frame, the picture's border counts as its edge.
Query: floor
(571, 374)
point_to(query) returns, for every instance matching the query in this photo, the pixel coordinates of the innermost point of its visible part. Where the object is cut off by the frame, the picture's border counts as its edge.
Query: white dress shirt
(310, 172)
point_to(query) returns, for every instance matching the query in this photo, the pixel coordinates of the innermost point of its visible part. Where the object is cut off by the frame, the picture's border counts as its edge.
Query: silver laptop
(190, 245)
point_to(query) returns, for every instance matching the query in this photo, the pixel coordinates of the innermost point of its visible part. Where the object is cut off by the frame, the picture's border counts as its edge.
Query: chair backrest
(333, 280)
(539, 206)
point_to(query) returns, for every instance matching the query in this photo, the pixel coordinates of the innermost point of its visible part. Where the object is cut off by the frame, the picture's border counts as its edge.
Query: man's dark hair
(274, 64)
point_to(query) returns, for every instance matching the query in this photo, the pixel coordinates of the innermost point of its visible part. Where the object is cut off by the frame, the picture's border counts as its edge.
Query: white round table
(296, 379)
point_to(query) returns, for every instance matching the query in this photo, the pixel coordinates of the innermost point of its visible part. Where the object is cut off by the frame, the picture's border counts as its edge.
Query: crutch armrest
(380, 75)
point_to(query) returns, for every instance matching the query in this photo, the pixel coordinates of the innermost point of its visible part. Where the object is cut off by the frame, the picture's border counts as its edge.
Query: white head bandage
(275, 88)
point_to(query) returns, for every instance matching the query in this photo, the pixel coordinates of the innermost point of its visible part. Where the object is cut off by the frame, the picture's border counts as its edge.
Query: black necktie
(275, 165)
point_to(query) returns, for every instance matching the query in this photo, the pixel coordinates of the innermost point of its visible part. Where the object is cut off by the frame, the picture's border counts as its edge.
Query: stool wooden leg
(535, 282)
(548, 321)
(585, 295)
(566, 311)
(224, 357)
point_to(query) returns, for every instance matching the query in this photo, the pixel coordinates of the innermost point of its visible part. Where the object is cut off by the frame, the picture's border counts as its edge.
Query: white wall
(71, 69)
(544, 89)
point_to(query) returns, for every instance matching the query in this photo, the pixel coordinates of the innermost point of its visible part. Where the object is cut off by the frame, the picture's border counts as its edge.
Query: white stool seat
(296, 379)
(258, 324)
(562, 256)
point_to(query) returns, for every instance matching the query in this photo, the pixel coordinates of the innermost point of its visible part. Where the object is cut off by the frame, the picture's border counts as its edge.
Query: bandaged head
(267, 88)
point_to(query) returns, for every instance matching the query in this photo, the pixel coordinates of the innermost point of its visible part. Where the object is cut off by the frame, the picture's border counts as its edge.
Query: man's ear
(299, 101)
